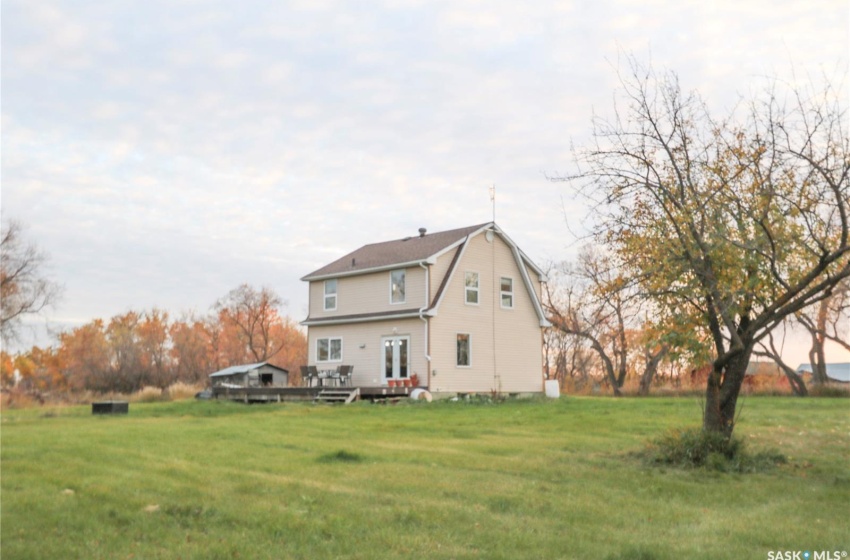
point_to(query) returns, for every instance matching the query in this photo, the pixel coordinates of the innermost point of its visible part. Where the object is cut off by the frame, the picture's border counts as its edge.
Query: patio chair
(345, 375)
(313, 372)
(308, 374)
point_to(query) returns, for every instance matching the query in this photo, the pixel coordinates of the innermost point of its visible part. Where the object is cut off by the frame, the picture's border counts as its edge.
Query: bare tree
(602, 307)
(575, 312)
(24, 287)
(256, 317)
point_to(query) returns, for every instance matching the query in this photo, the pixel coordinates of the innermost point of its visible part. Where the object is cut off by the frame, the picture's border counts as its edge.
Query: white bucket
(421, 394)
(552, 388)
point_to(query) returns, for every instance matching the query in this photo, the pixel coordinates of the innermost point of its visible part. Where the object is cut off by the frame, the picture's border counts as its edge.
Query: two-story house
(460, 308)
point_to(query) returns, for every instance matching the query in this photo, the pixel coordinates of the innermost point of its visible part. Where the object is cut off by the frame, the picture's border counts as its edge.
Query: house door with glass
(396, 357)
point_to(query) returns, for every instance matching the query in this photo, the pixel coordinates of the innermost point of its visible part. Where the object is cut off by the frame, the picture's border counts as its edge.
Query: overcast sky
(163, 152)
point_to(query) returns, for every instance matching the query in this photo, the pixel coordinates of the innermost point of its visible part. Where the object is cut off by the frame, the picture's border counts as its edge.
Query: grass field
(523, 479)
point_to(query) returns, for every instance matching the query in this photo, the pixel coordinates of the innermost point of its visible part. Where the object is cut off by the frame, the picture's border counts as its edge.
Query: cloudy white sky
(164, 152)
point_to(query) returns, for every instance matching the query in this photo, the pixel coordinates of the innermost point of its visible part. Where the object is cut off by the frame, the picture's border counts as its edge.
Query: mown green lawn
(524, 479)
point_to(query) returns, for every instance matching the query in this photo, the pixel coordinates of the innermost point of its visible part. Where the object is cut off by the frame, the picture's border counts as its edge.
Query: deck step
(340, 396)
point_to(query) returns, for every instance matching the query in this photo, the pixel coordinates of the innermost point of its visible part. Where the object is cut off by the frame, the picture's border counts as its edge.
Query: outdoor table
(326, 377)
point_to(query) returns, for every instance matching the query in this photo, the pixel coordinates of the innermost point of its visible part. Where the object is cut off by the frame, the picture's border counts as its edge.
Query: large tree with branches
(735, 223)
(596, 305)
(256, 318)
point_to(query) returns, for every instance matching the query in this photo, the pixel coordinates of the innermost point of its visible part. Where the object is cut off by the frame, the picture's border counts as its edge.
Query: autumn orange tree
(84, 355)
(732, 223)
(140, 348)
(253, 314)
(191, 350)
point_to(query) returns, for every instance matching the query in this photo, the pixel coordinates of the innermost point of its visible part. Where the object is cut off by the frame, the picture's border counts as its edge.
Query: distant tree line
(150, 348)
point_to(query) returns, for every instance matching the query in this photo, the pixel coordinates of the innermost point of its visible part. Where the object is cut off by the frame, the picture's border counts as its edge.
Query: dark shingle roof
(389, 253)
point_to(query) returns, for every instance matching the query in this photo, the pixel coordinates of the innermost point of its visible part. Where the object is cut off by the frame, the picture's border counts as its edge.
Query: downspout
(425, 320)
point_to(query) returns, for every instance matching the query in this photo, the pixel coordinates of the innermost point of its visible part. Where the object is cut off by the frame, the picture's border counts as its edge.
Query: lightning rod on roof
(493, 200)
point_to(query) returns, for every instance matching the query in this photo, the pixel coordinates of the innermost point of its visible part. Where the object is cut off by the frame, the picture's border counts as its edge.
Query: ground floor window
(329, 350)
(464, 350)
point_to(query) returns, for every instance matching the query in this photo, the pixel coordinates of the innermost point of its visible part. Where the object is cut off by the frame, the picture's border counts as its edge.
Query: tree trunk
(649, 372)
(723, 388)
(796, 382)
(609, 367)
(622, 353)
(622, 369)
(817, 355)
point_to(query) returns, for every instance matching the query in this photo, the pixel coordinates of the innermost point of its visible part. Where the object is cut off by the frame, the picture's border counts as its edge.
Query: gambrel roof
(392, 254)
(413, 251)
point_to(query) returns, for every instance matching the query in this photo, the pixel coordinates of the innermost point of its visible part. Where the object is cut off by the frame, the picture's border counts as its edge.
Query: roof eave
(382, 268)
(367, 319)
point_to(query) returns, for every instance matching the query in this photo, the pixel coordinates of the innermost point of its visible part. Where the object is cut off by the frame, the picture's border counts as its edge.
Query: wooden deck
(290, 394)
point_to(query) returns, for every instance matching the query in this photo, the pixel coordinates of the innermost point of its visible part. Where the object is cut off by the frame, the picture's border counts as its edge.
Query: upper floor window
(397, 286)
(330, 295)
(507, 291)
(471, 288)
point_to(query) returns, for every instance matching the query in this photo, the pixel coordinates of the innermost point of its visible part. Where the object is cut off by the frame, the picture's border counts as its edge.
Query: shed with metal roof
(836, 372)
(262, 374)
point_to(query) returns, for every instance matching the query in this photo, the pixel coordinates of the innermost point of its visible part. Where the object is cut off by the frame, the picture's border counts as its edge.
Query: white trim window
(397, 278)
(507, 292)
(329, 349)
(330, 294)
(464, 350)
(470, 288)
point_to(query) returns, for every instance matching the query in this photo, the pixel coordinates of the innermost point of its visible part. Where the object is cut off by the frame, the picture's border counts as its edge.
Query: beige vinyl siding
(368, 293)
(506, 353)
(361, 347)
(439, 271)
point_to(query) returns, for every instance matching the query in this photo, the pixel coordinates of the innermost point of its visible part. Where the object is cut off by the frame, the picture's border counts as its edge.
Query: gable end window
(397, 286)
(470, 287)
(464, 350)
(507, 291)
(330, 295)
(329, 350)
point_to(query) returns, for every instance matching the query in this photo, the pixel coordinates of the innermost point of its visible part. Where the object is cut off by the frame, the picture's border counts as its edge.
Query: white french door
(396, 357)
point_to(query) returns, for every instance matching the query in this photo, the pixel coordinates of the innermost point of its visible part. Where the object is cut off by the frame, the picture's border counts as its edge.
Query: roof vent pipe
(422, 232)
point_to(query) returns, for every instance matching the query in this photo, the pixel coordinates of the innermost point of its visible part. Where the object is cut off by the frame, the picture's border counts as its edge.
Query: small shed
(262, 374)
